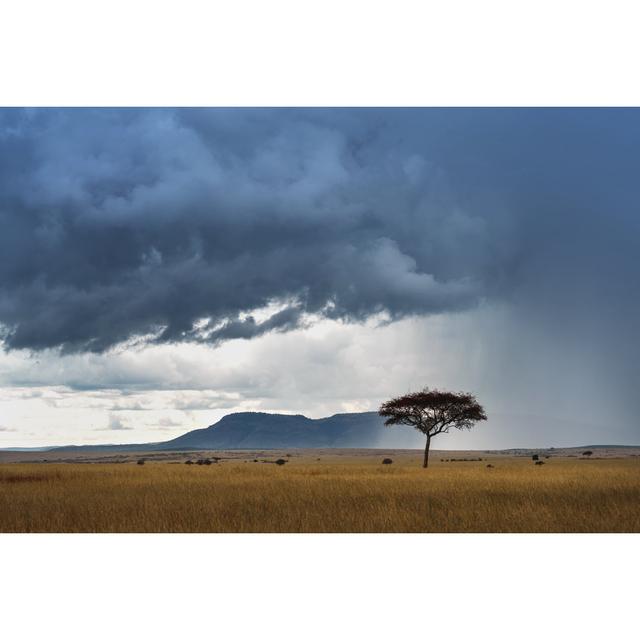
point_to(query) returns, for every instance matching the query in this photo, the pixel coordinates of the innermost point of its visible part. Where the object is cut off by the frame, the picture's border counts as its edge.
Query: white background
(318, 53)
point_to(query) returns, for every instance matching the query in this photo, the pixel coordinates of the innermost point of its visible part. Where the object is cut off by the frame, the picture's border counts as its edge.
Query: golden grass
(311, 496)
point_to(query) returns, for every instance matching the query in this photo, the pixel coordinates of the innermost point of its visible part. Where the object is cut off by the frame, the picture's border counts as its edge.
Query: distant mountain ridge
(254, 430)
(250, 430)
(278, 431)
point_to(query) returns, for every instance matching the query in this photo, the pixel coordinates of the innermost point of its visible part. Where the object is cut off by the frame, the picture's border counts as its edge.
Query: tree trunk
(425, 464)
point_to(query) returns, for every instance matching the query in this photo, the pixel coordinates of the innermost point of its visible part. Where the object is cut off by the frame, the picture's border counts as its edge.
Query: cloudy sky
(161, 268)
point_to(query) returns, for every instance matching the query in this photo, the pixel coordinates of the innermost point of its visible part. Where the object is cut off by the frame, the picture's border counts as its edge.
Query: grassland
(326, 495)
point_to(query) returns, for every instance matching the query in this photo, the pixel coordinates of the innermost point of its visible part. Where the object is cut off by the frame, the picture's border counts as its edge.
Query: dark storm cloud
(178, 225)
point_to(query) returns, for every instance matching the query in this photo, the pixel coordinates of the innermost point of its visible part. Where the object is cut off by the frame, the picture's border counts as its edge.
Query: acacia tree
(433, 412)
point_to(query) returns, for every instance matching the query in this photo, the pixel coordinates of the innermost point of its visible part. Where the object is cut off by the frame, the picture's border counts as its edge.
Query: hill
(249, 430)
(278, 431)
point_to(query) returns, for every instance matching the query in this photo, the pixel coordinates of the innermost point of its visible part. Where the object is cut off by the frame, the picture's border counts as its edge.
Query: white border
(319, 53)
(319, 586)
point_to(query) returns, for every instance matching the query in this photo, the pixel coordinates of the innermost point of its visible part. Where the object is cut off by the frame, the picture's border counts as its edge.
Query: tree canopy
(432, 412)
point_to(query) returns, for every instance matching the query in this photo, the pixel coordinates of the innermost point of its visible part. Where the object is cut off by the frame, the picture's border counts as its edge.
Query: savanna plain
(347, 491)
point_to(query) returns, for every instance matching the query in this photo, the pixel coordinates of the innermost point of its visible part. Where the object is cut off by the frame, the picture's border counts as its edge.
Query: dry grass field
(346, 494)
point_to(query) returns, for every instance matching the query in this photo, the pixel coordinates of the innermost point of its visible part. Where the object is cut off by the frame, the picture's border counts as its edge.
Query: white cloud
(326, 368)
(116, 424)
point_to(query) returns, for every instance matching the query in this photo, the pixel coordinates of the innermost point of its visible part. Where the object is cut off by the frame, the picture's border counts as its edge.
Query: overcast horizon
(160, 268)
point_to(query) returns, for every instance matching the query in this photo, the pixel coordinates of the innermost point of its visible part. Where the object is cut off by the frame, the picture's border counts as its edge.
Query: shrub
(587, 453)
(189, 462)
(387, 461)
(489, 466)
(141, 461)
(535, 456)
(539, 461)
(280, 461)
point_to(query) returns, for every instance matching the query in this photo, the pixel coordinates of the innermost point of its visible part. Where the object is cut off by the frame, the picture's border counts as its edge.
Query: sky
(160, 268)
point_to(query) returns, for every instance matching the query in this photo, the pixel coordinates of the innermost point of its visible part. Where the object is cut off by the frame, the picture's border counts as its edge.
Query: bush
(587, 453)
(535, 456)
(280, 461)
(141, 461)
(387, 461)
(489, 466)
(189, 462)
(539, 462)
